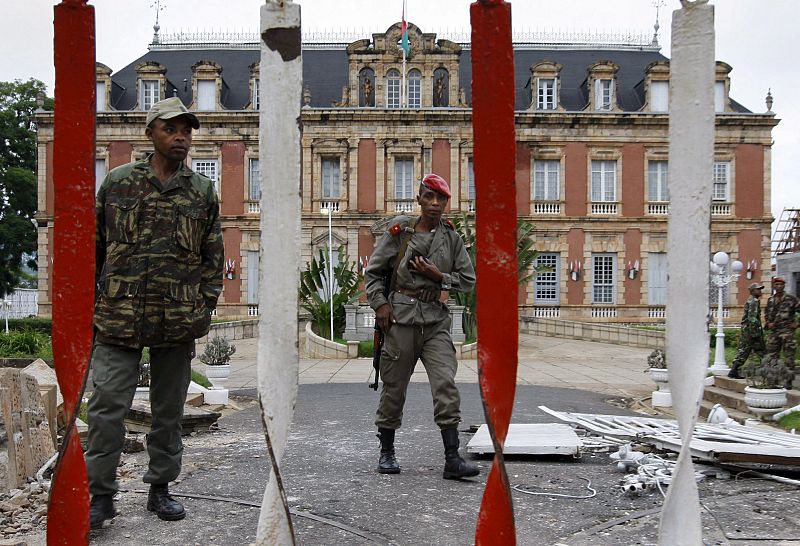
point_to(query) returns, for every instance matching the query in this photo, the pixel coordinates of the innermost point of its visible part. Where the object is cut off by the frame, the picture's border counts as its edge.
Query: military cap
(171, 108)
(755, 285)
(436, 183)
(778, 279)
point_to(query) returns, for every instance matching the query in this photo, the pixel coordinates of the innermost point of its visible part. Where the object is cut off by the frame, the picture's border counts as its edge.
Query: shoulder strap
(405, 238)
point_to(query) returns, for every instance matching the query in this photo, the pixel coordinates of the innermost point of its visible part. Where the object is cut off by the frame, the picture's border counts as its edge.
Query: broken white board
(529, 439)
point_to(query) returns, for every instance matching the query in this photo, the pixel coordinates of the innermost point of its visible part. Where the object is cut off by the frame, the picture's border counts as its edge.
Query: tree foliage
(526, 266)
(315, 291)
(17, 178)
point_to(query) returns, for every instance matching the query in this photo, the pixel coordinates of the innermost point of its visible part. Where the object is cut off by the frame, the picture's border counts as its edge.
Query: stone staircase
(730, 393)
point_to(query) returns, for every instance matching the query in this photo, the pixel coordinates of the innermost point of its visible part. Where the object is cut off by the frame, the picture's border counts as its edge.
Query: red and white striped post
(496, 225)
(74, 259)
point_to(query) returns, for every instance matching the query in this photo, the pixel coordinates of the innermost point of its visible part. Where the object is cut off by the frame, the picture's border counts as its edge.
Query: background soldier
(751, 337)
(159, 274)
(420, 259)
(780, 317)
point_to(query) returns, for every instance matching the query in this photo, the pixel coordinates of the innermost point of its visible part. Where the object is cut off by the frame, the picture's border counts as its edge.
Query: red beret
(436, 183)
(778, 279)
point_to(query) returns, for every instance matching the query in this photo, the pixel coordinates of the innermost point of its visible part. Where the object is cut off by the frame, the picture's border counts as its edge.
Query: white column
(691, 154)
(278, 360)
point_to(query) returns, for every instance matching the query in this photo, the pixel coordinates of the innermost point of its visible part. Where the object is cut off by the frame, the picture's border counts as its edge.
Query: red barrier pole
(496, 227)
(73, 263)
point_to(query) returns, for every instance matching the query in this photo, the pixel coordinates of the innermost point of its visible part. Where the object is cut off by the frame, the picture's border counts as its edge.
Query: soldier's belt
(425, 296)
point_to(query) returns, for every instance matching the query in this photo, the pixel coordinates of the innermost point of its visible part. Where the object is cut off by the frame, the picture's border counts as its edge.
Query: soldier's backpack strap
(405, 238)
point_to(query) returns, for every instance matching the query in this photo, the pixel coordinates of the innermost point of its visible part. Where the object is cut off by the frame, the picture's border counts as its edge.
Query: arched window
(366, 87)
(414, 88)
(441, 88)
(393, 89)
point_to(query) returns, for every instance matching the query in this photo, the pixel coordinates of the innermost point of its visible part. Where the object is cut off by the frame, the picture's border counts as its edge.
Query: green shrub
(731, 337)
(25, 343)
(201, 379)
(217, 352)
(366, 348)
(43, 325)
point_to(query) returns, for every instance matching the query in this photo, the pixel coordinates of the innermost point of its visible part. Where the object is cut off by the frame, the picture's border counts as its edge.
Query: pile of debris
(23, 510)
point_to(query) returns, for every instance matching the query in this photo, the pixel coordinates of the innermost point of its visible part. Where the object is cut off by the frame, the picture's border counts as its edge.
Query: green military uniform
(781, 312)
(751, 337)
(159, 263)
(422, 330)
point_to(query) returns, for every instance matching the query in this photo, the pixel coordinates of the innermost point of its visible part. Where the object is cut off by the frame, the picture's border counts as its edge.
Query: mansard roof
(325, 73)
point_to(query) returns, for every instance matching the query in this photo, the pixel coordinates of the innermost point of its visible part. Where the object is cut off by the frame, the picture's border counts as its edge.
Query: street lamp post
(720, 279)
(327, 210)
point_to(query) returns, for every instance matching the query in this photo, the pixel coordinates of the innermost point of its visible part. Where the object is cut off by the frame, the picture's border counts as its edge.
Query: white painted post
(691, 156)
(278, 359)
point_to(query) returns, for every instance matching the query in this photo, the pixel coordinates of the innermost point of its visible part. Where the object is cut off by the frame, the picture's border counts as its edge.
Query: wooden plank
(530, 439)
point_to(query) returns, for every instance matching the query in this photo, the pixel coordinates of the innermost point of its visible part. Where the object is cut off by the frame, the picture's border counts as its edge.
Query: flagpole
(404, 90)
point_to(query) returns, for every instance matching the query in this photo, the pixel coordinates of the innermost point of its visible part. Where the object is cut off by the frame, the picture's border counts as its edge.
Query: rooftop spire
(159, 5)
(658, 4)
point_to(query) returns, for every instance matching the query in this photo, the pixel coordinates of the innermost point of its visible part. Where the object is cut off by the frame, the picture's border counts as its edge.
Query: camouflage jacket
(159, 257)
(444, 247)
(751, 318)
(782, 313)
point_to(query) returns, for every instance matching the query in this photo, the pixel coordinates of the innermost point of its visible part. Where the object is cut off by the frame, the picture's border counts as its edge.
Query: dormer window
(207, 82)
(151, 82)
(603, 94)
(659, 96)
(102, 87)
(206, 95)
(657, 87)
(255, 99)
(719, 96)
(722, 84)
(546, 94)
(602, 85)
(544, 85)
(150, 93)
(393, 89)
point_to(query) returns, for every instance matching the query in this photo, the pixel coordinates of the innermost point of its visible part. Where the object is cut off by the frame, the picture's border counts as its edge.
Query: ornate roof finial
(657, 4)
(769, 100)
(159, 7)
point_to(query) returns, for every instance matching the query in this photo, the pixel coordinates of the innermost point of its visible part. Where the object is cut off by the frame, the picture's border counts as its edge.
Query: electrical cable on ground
(518, 487)
(254, 504)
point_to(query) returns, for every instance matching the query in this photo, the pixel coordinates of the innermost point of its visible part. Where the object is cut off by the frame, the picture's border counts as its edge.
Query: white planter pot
(218, 374)
(660, 377)
(764, 402)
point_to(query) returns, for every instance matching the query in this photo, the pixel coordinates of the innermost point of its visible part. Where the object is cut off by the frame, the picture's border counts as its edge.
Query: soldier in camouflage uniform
(416, 321)
(159, 274)
(780, 317)
(751, 337)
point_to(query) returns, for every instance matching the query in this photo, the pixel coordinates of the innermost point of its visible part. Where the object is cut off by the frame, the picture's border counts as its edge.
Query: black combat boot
(100, 509)
(387, 464)
(734, 373)
(455, 467)
(160, 502)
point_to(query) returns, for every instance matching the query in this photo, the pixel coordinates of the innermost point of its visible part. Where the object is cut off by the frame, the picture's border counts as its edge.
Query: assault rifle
(377, 346)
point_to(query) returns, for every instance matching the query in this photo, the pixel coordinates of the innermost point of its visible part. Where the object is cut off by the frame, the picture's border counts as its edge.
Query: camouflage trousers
(402, 347)
(748, 344)
(782, 338)
(115, 375)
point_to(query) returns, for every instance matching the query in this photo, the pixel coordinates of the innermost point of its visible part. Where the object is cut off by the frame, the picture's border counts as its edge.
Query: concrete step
(736, 385)
(729, 399)
(736, 415)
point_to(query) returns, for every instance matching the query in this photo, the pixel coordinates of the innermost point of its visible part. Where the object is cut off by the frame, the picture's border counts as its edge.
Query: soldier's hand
(384, 317)
(426, 268)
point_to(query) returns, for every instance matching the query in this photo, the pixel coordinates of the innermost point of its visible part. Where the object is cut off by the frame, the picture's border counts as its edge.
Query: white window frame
(208, 168)
(657, 181)
(331, 177)
(393, 89)
(546, 93)
(719, 97)
(149, 93)
(254, 180)
(100, 172)
(206, 95)
(100, 93)
(414, 86)
(546, 286)
(403, 178)
(657, 278)
(659, 96)
(470, 179)
(604, 181)
(255, 99)
(721, 181)
(604, 272)
(603, 94)
(546, 179)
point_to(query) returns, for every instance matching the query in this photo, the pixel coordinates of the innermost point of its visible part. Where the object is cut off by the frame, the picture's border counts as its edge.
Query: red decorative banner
(496, 227)
(74, 260)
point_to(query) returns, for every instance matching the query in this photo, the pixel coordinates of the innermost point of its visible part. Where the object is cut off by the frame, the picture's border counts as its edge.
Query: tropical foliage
(526, 266)
(315, 291)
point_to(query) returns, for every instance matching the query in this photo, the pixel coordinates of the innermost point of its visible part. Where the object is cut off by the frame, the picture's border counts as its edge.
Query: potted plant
(217, 356)
(657, 368)
(765, 394)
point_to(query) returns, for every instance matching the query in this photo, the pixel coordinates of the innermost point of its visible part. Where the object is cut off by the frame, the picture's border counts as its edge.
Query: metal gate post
(496, 227)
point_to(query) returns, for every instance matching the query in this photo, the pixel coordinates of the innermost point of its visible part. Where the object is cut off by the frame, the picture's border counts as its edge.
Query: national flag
(404, 28)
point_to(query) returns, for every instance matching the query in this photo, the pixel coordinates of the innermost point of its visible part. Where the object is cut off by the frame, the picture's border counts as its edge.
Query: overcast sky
(754, 36)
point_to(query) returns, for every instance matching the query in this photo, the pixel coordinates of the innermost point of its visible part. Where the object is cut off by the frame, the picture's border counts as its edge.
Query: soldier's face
(778, 286)
(432, 203)
(171, 138)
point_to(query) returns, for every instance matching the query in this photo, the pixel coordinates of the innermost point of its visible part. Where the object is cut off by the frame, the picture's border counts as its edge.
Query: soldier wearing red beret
(415, 264)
